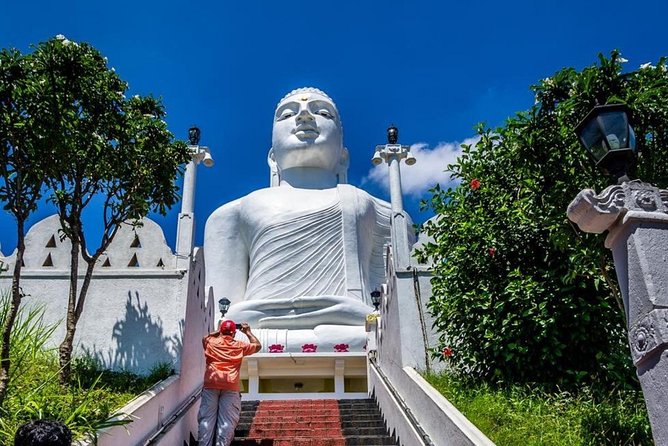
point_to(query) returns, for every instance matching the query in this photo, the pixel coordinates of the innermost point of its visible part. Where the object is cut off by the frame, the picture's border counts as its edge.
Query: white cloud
(428, 170)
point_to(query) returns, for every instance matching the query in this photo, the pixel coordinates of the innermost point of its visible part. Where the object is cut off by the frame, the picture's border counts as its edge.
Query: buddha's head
(307, 132)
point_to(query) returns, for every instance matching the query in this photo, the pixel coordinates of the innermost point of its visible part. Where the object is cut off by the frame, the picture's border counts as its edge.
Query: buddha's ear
(345, 158)
(342, 168)
(274, 177)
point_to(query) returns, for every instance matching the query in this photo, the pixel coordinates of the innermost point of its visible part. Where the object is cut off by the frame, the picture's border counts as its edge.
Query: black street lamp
(194, 134)
(607, 135)
(392, 134)
(375, 298)
(224, 305)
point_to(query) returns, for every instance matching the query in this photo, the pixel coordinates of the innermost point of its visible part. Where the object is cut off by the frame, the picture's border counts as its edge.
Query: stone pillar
(185, 232)
(339, 377)
(636, 216)
(392, 154)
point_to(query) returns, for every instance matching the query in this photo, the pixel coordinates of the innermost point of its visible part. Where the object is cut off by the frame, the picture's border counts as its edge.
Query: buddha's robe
(309, 257)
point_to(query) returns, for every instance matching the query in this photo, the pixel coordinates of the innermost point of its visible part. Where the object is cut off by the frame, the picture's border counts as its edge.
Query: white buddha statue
(299, 259)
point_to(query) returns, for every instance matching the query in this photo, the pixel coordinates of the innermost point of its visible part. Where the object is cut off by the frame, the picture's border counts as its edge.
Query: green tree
(108, 148)
(520, 294)
(24, 153)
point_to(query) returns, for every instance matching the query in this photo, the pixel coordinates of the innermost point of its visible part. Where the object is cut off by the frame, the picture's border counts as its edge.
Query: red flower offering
(309, 348)
(276, 348)
(341, 348)
(475, 184)
(447, 352)
(491, 251)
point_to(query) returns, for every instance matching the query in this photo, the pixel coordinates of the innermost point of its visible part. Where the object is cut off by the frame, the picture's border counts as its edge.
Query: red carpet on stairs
(312, 423)
(298, 423)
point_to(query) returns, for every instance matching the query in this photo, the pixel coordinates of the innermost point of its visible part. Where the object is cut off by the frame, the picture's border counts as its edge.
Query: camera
(238, 326)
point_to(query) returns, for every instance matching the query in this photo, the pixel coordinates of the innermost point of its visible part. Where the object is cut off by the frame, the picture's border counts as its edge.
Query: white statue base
(324, 337)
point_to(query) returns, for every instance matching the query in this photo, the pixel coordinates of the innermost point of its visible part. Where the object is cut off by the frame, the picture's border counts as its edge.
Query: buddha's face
(307, 132)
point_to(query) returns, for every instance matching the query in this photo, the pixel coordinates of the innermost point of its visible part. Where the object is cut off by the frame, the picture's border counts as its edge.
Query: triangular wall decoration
(160, 264)
(135, 243)
(106, 263)
(48, 261)
(134, 262)
(52, 242)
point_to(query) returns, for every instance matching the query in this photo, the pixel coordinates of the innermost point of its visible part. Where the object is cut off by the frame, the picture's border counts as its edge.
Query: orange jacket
(223, 360)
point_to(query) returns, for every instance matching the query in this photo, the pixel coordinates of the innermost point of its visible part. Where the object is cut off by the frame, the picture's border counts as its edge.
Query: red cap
(228, 327)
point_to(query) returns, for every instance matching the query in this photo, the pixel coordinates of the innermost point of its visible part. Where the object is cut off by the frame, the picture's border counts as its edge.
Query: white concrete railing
(146, 413)
(413, 409)
(440, 423)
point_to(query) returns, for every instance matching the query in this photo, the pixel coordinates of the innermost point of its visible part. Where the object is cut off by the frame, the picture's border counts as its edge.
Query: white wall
(134, 316)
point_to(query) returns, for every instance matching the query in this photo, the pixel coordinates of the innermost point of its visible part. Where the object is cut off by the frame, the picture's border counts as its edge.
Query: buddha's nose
(305, 116)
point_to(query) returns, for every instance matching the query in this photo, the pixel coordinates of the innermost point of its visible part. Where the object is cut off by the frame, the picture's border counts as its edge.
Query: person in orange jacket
(221, 401)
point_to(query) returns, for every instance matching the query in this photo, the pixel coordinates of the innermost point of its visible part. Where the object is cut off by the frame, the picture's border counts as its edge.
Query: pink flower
(475, 184)
(309, 348)
(341, 348)
(447, 352)
(276, 348)
(492, 251)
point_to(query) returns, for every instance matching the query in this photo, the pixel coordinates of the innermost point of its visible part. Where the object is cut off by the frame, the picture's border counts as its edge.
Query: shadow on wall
(140, 340)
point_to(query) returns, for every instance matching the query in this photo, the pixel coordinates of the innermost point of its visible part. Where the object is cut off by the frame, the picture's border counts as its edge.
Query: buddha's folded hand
(301, 312)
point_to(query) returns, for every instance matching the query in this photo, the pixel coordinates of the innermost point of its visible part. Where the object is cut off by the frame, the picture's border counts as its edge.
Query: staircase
(311, 423)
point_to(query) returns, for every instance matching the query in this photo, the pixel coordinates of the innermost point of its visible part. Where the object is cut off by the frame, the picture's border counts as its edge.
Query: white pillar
(393, 154)
(396, 197)
(339, 377)
(185, 232)
(253, 379)
(189, 183)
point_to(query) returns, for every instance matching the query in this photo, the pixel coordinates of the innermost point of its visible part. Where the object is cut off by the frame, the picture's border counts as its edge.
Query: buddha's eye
(285, 114)
(326, 113)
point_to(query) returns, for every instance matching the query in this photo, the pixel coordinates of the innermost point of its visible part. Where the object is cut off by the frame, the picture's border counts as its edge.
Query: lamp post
(375, 298)
(200, 154)
(392, 153)
(635, 214)
(186, 225)
(223, 305)
(607, 135)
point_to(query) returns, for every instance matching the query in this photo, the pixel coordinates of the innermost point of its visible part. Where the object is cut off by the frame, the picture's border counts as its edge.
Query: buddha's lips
(305, 131)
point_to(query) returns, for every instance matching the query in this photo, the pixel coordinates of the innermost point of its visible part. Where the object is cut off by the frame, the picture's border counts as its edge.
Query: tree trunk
(65, 348)
(13, 310)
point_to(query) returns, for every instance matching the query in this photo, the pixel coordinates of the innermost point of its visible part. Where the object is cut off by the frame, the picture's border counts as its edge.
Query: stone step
(303, 418)
(312, 423)
(326, 422)
(358, 441)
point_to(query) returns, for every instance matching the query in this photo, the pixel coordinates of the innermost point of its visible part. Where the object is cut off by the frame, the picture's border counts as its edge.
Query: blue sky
(433, 68)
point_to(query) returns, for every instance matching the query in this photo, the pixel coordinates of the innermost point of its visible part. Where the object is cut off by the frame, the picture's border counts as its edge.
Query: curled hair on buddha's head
(297, 91)
(307, 90)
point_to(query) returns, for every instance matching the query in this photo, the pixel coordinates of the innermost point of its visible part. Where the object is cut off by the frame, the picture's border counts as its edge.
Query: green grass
(94, 396)
(522, 416)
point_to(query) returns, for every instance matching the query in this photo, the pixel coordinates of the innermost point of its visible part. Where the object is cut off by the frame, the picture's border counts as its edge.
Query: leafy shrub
(519, 294)
(87, 405)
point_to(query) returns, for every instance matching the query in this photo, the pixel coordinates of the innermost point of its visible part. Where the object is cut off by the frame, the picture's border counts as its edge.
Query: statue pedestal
(284, 376)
